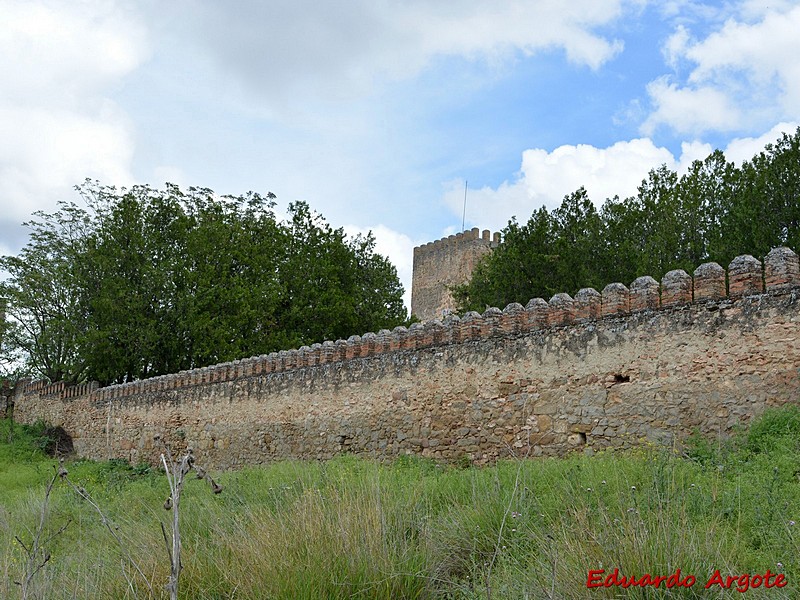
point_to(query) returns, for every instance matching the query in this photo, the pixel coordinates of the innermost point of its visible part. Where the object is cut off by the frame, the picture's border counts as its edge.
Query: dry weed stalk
(36, 555)
(176, 476)
(64, 474)
(498, 545)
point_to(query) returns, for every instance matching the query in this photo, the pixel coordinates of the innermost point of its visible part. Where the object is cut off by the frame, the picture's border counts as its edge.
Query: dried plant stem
(62, 472)
(176, 476)
(36, 555)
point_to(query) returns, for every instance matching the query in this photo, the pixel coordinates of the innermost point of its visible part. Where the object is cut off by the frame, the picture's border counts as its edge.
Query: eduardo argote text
(598, 578)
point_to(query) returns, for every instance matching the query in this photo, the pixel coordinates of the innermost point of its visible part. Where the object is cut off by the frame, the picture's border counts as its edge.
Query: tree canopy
(143, 282)
(714, 212)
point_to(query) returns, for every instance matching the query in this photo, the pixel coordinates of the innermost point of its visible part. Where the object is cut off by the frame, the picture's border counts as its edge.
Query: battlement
(440, 265)
(746, 276)
(650, 361)
(474, 234)
(58, 389)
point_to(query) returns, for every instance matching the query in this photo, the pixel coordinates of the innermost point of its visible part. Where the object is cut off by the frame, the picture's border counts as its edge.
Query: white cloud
(604, 172)
(307, 50)
(546, 177)
(675, 46)
(57, 122)
(48, 151)
(742, 149)
(763, 49)
(756, 9)
(690, 110)
(61, 52)
(744, 75)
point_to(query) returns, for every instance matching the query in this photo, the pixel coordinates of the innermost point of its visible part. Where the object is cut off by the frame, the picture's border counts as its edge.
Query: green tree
(707, 191)
(517, 270)
(45, 321)
(619, 253)
(148, 282)
(231, 282)
(765, 211)
(132, 272)
(714, 212)
(578, 243)
(554, 252)
(334, 287)
(659, 228)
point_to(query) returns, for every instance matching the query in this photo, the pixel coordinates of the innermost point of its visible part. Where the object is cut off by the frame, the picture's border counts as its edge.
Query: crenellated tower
(442, 264)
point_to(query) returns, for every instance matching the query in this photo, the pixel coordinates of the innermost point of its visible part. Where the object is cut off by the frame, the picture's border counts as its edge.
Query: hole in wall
(618, 378)
(577, 439)
(57, 442)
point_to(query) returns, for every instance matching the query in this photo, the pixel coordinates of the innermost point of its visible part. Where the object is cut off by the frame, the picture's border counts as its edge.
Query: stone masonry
(442, 264)
(650, 362)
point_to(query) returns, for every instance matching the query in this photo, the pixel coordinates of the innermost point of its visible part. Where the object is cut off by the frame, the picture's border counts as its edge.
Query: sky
(379, 113)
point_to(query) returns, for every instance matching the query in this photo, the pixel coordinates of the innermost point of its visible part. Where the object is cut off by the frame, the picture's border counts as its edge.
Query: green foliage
(776, 432)
(714, 212)
(42, 298)
(777, 428)
(412, 528)
(23, 442)
(519, 267)
(701, 449)
(147, 282)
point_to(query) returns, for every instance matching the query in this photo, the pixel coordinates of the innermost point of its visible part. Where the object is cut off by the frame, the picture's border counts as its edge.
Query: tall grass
(352, 528)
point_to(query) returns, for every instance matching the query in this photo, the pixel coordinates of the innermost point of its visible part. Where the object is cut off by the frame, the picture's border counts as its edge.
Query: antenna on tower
(464, 213)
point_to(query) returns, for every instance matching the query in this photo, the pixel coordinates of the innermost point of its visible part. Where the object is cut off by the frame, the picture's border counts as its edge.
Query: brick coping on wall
(745, 276)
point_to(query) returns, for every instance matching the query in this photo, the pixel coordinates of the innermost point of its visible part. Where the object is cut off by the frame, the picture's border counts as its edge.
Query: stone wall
(649, 362)
(442, 264)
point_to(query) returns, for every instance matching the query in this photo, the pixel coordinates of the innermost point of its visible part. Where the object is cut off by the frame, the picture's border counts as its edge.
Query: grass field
(353, 528)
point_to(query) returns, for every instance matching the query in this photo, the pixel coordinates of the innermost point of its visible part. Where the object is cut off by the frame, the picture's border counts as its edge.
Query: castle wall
(649, 362)
(443, 264)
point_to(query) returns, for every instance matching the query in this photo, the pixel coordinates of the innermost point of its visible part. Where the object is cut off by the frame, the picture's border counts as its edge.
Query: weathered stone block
(587, 303)
(470, 326)
(745, 276)
(399, 334)
(434, 333)
(781, 269)
(341, 350)
(709, 282)
(562, 310)
(415, 337)
(452, 329)
(302, 354)
(615, 300)
(328, 353)
(353, 349)
(490, 325)
(368, 344)
(267, 363)
(537, 313)
(513, 319)
(645, 294)
(676, 288)
(314, 356)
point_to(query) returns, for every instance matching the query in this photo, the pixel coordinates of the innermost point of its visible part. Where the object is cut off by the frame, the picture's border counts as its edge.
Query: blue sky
(377, 111)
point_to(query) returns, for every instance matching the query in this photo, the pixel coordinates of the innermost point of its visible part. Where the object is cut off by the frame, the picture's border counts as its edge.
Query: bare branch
(64, 475)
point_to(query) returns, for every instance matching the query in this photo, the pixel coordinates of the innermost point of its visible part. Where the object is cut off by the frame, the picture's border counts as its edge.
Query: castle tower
(442, 264)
